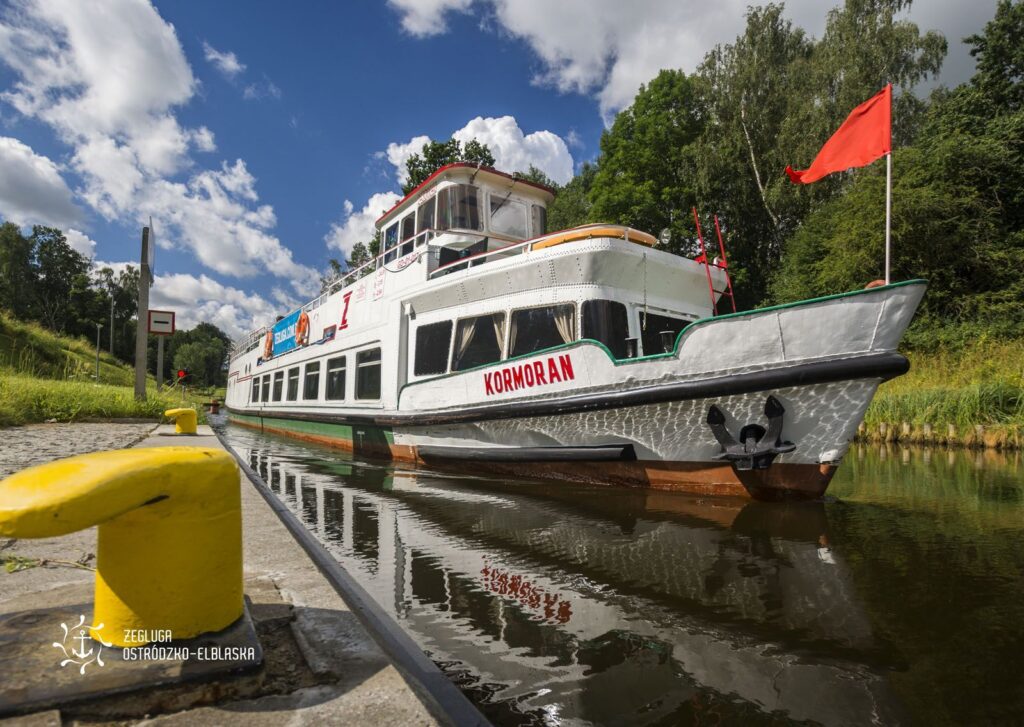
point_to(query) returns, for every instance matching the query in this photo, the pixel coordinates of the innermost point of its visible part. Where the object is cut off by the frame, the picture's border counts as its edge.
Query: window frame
(344, 378)
(682, 318)
(305, 380)
(277, 390)
(447, 353)
(506, 200)
(575, 319)
(254, 393)
(502, 344)
(289, 394)
(625, 314)
(360, 366)
(265, 388)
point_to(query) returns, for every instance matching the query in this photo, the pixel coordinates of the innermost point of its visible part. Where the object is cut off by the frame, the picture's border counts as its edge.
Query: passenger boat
(478, 339)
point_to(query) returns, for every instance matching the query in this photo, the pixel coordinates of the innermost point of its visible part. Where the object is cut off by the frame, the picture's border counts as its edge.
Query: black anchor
(757, 447)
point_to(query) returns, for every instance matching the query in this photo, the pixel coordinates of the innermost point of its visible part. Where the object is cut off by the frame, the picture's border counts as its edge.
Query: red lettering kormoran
(529, 374)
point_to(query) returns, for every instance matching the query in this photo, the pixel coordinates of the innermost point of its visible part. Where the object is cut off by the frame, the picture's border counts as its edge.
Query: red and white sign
(161, 322)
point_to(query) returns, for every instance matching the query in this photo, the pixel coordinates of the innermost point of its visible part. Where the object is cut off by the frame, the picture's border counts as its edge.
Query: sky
(264, 138)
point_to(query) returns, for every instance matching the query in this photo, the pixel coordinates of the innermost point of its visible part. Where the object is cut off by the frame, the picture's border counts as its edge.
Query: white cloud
(198, 299)
(32, 190)
(608, 48)
(227, 62)
(513, 150)
(107, 76)
(261, 90)
(358, 226)
(423, 18)
(81, 242)
(398, 154)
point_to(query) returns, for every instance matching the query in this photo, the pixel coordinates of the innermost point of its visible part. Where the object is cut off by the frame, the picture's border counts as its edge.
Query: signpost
(141, 336)
(161, 323)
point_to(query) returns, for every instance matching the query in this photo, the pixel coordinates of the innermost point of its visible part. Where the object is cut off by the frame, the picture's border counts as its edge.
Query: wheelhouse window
(658, 333)
(293, 384)
(508, 217)
(255, 395)
(368, 374)
(478, 341)
(607, 321)
(539, 219)
(311, 382)
(266, 387)
(458, 207)
(390, 243)
(278, 385)
(432, 344)
(336, 368)
(535, 329)
(408, 233)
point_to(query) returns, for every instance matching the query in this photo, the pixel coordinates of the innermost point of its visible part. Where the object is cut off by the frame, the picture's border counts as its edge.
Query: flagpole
(888, 213)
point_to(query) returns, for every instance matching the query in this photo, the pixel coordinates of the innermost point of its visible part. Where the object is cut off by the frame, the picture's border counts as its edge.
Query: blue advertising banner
(284, 333)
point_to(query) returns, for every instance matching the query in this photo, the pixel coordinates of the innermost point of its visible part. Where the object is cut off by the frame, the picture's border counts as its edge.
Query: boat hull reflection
(575, 604)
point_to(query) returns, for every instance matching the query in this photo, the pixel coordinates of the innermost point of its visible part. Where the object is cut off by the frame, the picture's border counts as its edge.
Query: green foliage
(571, 206)
(646, 173)
(1000, 56)
(436, 154)
(202, 351)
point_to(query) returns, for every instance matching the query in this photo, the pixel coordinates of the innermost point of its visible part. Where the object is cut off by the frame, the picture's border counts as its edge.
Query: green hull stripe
(320, 429)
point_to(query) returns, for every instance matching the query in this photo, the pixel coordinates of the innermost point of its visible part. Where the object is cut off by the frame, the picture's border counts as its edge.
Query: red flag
(865, 136)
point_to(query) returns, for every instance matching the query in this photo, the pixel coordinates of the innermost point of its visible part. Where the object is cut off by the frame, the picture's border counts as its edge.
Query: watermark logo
(79, 648)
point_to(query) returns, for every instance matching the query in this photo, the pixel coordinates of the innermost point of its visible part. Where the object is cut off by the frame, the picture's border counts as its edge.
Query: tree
(646, 173)
(436, 154)
(999, 51)
(571, 206)
(537, 176)
(202, 359)
(58, 267)
(17, 275)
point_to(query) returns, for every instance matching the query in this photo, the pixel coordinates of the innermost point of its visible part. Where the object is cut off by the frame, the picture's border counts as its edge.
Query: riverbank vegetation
(46, 376)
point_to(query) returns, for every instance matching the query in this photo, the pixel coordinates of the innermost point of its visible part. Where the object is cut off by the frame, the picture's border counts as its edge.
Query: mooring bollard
(184, 420)
(169, 543)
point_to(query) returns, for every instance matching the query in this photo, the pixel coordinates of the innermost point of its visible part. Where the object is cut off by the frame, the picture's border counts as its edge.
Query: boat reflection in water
(570, 604)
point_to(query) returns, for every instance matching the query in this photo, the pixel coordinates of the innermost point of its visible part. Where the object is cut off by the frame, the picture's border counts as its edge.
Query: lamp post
(98, 327)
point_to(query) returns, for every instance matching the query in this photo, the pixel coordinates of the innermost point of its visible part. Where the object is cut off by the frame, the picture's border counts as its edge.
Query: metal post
(159, 363)
(888, 213)
(111, 322)
(142, 324)
(98, 327)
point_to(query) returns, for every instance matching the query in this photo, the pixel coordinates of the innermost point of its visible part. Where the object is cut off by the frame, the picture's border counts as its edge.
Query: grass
(44, 376)
(981, 383)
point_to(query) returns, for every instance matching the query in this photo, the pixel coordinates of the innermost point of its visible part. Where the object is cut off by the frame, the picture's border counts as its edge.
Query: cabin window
(432, 343)
(311, 385)
(479, 341)
(425, 216)
(508, 217)
(607, 321)
(255, 396)
(535, 329)
(266, 387)
(278, 385)
(458, 207)
(539, 218)
(368, 374)
(336, 378)
(293, 384)
(390, 242)
(408, 233)
(651, 328)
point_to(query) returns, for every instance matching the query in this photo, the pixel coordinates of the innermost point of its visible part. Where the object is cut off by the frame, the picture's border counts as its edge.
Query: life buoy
(302, 329)
(268, 345)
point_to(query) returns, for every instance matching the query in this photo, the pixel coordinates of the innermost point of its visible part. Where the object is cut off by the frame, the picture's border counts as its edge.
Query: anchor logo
(88, 651)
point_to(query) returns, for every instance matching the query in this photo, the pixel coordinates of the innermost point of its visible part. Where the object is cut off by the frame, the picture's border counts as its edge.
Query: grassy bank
(46, 376)
(972, 396)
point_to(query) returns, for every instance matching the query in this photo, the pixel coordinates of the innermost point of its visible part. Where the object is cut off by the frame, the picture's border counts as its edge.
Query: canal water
(898, 600)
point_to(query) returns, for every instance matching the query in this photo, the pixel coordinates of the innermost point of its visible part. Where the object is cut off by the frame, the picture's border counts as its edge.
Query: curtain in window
(565, 322)
(463, 337)
(499, 332)
(512, 331)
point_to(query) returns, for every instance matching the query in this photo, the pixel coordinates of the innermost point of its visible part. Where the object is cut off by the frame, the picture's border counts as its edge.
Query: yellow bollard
(169, 552)
(184, 420)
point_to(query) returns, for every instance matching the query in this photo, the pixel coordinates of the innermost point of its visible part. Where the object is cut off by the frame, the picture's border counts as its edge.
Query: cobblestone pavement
(22, 447)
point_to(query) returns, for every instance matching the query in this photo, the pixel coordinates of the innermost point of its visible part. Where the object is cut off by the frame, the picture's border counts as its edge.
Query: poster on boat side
(284, 333)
